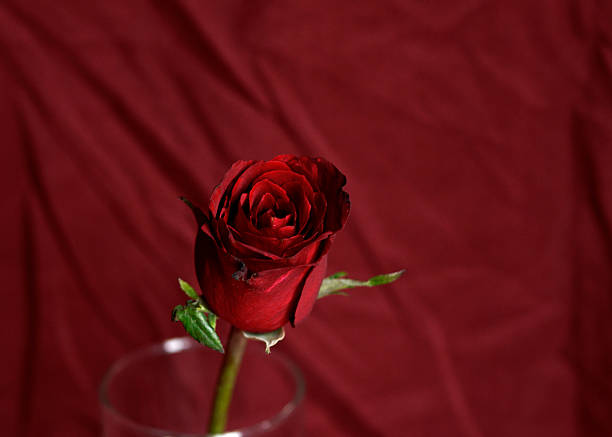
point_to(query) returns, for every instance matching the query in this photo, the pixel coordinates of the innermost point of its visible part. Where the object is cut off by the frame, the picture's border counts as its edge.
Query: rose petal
(324, 177)
(297, 188)
(243, 202)
(279, 176)
(248, 177)
(281, 233)
(309, 253)
(234, 246)
(331, 182)
(263, 217)
(303, 165)
(270, 224)
(267, 202)
(226, 184)
(284, 207)
(279, 223)
(310, 290)
(317, 217)
(242, 223)
(271, 244)
(301, 196)
(260, 201)
(299, 250)
(272, 292)
(263, 187)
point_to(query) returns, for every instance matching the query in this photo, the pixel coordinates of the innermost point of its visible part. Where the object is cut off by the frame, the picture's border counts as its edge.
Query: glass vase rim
(180, 344)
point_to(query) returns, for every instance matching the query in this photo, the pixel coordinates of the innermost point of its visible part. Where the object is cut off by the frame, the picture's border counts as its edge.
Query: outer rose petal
(310, 290)
(310, 254)
(260, 304)
(216, 198)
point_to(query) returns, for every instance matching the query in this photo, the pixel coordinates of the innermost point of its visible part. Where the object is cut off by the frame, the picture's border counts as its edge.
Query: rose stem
(226, 380)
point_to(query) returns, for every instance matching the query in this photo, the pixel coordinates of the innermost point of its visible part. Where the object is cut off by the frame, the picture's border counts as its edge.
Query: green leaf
(188, 289)
(269, 338)
(212, 320)
(336, 282)
(198, 323)
(197, 300)
(337, 275)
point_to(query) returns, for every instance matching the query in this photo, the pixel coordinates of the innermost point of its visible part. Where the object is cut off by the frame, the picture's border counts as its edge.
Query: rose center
(275, 217)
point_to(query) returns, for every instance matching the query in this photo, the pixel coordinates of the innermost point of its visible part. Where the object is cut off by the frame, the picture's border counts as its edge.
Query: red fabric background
(476, 137)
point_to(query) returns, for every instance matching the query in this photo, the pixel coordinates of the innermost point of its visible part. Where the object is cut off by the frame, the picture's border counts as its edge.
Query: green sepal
(269, 338)
(199, 323)
(190, 292)
(187, 202)
(188, 289)
(198, 214)
(336, 282)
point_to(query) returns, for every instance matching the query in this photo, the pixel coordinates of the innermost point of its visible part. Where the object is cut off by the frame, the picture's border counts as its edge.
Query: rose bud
(261, 250)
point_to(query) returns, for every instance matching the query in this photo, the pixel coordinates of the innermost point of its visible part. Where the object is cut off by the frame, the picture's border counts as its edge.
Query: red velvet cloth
(476, 137)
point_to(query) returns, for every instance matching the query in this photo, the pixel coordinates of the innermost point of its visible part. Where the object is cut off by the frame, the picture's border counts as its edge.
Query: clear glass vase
(166, 390)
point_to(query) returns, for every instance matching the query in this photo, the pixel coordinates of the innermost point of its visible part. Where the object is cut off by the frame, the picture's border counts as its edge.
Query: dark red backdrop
(476, 137)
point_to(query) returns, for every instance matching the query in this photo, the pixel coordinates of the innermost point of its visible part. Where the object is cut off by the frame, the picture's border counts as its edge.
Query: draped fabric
(476, 137)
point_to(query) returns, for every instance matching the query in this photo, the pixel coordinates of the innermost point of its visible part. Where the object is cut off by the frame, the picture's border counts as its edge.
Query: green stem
(226, 380)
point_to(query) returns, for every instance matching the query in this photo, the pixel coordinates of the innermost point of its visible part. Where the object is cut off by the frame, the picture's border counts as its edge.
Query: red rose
(261, 251)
